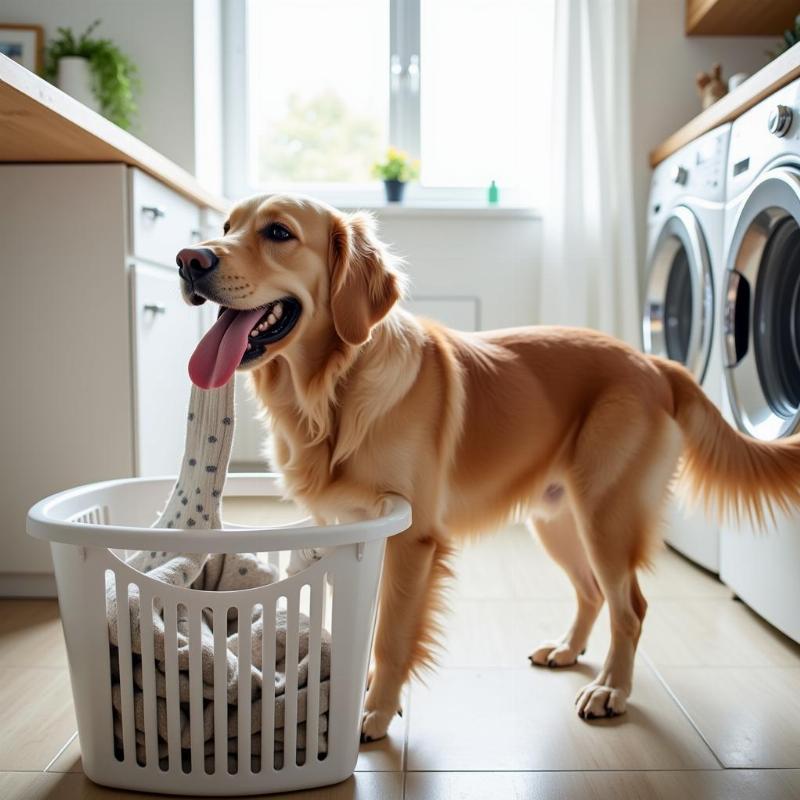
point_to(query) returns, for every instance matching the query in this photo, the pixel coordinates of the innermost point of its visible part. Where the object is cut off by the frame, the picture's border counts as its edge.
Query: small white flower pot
(75, 78)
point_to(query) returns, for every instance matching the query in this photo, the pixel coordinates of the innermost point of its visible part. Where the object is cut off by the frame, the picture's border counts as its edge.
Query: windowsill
(451, 210)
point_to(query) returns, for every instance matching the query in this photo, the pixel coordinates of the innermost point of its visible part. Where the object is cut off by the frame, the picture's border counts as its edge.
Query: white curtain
(589, 274)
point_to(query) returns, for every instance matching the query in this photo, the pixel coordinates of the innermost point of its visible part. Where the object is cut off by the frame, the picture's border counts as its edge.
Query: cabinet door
(166, 331)
(162, 222)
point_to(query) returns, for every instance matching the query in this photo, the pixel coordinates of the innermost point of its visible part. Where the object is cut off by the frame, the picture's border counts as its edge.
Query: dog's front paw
(375, 725)
(381, 507)
(555, 654)
(596, 701)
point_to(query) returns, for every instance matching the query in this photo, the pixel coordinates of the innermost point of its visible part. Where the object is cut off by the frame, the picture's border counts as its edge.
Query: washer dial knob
(780, 120)
(680, 175)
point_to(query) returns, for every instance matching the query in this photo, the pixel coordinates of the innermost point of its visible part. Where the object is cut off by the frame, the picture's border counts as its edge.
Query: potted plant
(94, 71)
(396, 170)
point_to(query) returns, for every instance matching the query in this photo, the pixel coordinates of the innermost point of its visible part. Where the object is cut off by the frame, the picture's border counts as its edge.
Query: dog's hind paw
(374, 725)
(555, 654)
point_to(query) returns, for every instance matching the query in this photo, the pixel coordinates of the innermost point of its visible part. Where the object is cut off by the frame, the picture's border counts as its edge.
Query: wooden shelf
(784, 69)
(39, 123)
(739, 17)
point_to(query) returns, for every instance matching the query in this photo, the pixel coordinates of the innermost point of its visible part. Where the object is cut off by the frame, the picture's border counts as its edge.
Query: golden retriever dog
(569, 429)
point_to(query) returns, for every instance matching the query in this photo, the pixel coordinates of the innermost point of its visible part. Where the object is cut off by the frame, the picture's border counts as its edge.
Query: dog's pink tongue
(216, 357)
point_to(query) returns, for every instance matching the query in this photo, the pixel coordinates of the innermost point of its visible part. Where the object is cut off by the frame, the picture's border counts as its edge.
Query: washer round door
(678, 314)
(762, 308)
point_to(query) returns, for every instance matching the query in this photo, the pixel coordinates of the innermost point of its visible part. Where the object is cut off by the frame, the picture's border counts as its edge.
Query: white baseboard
(18, 584)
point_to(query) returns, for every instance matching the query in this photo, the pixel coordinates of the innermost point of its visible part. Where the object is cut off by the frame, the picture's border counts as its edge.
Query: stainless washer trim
(772, 199)
(681, 230)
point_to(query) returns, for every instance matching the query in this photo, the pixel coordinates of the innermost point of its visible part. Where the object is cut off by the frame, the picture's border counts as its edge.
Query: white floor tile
(524, 719)
(749, 716)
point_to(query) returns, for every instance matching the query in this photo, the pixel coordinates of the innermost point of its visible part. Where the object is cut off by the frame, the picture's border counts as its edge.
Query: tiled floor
(715, 711)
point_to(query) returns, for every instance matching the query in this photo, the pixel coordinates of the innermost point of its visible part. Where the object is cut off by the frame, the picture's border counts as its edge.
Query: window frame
(404, 122)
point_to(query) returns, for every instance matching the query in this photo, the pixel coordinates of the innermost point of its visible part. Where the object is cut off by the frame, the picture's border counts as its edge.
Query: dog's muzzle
(195, 265)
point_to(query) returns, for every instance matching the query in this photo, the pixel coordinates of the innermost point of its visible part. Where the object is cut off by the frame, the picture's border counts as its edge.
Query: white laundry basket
(89, 529)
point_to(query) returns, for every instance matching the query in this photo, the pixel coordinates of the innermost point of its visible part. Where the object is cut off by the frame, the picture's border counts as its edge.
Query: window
(318, 89)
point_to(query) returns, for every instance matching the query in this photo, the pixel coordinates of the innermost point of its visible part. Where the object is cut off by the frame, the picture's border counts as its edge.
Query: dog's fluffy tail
(725, 469)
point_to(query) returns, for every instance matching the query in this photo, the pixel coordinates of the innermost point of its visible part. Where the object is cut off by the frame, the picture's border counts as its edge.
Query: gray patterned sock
(196, 500)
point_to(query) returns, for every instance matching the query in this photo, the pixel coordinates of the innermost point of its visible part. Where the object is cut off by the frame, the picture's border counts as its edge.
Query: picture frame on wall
(23, 44)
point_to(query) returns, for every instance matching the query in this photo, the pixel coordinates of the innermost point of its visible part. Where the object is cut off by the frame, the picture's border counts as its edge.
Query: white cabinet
(161, 221)
(248, 453)
(95, 382)
(165, 333)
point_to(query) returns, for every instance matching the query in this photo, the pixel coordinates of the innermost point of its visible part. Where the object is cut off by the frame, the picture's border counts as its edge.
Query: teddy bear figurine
(710, 86)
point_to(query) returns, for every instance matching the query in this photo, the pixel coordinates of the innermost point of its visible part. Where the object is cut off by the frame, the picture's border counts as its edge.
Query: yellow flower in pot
(396, 170)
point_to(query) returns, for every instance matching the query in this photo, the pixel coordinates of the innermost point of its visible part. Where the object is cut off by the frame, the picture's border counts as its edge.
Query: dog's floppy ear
(364, 285)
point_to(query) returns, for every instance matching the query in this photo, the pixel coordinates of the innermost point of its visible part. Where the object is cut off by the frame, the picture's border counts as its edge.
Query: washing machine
(685, 237)
(760, 337)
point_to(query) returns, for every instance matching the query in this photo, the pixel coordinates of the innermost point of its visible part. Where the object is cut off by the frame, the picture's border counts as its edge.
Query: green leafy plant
(791, 36)
(397, 166)
(115, 78)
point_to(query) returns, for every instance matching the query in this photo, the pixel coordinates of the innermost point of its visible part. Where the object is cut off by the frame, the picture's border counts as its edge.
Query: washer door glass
(678, 308)
(762, 317)
(679, 302)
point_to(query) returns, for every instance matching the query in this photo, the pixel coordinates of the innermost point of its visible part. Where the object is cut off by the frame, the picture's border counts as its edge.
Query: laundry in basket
(196, 502)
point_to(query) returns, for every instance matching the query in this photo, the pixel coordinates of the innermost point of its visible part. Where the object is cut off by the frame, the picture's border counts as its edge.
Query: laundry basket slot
(191, 691)
(95, 515)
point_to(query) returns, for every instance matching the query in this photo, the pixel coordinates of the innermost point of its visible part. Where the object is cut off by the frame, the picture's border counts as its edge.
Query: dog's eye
(276, 232)
(225, 228)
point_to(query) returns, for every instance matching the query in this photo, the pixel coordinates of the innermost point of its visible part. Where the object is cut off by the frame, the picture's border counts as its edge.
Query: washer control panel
(768, 132)
(697, 171)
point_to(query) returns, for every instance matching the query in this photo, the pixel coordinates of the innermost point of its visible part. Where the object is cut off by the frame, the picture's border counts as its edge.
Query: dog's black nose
(195, 262)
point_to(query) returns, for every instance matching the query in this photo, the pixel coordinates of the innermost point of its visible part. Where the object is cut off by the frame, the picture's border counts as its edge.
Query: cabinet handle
(154, 212)
(154, 308)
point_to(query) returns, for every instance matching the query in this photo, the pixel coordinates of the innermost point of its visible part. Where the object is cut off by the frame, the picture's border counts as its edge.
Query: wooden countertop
(784, 69)
(39, 123)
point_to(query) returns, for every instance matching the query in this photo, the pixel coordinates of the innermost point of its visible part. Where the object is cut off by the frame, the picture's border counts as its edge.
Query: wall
(159, 36)
(664, 96)
(454, 256)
